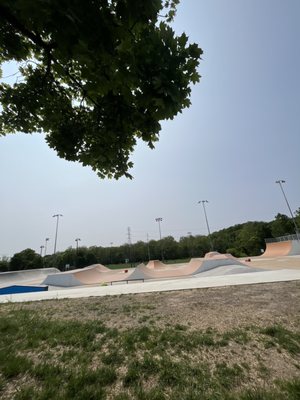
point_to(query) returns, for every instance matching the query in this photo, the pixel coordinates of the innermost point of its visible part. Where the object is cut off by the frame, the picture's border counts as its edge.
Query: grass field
(212, 344)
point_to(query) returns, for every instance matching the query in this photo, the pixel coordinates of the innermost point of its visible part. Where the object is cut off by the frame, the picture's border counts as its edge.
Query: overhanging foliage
(95, 75)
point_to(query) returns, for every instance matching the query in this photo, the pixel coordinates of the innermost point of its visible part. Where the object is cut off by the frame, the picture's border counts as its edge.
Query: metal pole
(280, 182)
(159, 220)
(57, 219)
(41, 247)
(76, 260)
(191, 244)
(111, 243)
(46, 240)
(148, 247)
(77, 240)
(209, 236)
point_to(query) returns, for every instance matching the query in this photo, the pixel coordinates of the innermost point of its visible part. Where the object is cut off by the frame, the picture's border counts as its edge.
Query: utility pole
(111, 243)
(159, 220)
(76, 260)
(46, 241)
(190, 244)
(209, 236)
(148, 247)
(280, 182)
(77, 240)
(129, 244)
(57, 221)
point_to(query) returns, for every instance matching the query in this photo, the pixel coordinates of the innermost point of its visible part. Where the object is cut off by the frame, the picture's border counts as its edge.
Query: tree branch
(47, 47)
(4, 12)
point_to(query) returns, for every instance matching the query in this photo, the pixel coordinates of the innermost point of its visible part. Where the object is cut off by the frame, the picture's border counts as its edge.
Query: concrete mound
(216, 255)
(166, 270)
(230, 269)
(215, 260)
(94, 274)
(99, 267)
(153, 264)
(212, 254)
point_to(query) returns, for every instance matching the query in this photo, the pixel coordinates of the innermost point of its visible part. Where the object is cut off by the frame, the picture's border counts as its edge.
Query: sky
(240, 135)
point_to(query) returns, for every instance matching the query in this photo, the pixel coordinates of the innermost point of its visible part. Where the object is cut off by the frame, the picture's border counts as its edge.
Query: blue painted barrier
(22, 289)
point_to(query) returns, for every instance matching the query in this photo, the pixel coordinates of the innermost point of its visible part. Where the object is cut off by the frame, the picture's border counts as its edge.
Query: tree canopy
(94, 75)
(26, 259)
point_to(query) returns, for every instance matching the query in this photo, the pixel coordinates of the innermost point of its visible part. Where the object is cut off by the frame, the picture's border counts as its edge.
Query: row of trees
(247, 239)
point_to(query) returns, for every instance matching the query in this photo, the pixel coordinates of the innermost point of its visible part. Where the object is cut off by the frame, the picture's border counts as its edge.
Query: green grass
(283, 338)
(43, 358)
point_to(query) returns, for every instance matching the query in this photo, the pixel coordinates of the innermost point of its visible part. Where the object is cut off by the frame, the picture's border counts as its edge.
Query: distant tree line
(247, 239)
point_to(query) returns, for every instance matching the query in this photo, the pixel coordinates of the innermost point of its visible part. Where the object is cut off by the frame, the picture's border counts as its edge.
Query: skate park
(279, 262)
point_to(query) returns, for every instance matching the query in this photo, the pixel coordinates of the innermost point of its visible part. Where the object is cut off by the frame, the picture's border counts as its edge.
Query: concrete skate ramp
(94, 274)
(282, 262)
(99, 267)
(24, 276)
(166, 270)
(154, 264)
(228, 270)
(286, 248)
(215, 255)
(64, 279)
(97, 274)
(195, 266)
(217, 261)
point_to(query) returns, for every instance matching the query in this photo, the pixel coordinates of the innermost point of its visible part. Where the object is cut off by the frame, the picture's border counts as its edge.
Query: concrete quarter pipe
(284, 248)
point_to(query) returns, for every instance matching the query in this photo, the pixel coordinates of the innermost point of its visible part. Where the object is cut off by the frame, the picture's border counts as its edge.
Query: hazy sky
(241, 133)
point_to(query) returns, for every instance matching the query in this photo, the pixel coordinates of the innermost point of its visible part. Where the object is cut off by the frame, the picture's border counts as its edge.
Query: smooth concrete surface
(284, 248)
(27, 276)
(159, 286)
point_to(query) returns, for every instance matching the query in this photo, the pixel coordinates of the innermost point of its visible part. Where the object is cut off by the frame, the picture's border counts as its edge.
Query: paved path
(158, 286)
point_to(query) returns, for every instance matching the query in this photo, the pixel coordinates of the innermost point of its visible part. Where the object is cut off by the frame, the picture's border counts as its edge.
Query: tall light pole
(111, 243)
(280, 182)
(77, 240)
(209, 236)
(46, 241)
(148, 247)
(41, 247)
(76, 257)
(159, 220)
(57, 220)
(191, 244)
